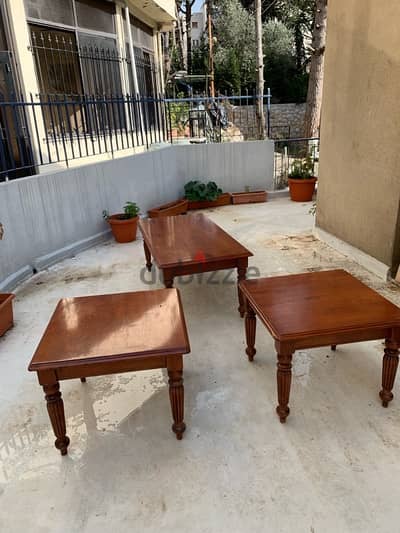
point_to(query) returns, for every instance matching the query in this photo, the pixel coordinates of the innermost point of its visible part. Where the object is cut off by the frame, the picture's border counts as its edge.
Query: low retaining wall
(52, 216)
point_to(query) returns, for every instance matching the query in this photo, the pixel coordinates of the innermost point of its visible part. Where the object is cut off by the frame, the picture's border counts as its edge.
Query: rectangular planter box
(179, 207)
(223, 199)
(6, 313)
(249, 197)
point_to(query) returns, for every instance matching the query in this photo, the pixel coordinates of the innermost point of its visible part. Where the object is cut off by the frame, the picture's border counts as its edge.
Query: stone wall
(286, 120)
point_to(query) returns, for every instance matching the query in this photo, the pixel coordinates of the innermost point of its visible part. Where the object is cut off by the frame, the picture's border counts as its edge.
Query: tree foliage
(235, 53)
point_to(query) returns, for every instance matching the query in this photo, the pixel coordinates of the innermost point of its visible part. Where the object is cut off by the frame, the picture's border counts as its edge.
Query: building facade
(72, 52)
(359, 183)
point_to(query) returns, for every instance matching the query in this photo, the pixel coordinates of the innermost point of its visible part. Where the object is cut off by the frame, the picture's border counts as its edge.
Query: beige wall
(359, 185)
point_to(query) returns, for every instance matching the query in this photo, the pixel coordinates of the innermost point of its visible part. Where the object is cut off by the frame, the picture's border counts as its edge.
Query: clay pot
(6, 313)
(249, 197)
(179, 207)
(302, 190)
(124, 229)
(223, 199)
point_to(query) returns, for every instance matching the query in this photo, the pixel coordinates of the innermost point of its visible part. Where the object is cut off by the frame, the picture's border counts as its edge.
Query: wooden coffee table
(190, 244)
(320, 309)
(108, 334)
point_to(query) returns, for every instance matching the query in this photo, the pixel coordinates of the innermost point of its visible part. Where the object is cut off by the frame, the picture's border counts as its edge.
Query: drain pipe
(133, 66)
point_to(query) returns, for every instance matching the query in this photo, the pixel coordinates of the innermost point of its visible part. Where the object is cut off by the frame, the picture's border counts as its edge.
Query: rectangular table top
(189, 239)
(318, 303)
(112, 327)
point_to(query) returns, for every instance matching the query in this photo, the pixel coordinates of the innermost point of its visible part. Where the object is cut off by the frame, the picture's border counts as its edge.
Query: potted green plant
(202, 195)
(302, 180)
(124, 225)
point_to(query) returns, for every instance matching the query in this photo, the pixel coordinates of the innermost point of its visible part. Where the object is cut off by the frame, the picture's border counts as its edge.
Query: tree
(234, 29)
(315, 84)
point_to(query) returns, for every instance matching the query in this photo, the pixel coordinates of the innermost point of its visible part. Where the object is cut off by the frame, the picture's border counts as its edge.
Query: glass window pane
(56, 60)
(95, 15)
(142, 35)
(100, 65)
(52, 10)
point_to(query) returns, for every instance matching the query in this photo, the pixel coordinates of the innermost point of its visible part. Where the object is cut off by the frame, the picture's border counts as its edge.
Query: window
(95, 15)
(56, 60)
(59, 11)
(195, 24)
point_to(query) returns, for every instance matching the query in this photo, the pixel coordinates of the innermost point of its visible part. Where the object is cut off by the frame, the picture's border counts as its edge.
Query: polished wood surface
(174, 241)
(95, 328)
(305, 304)
(112, 333)
(320, 309)
(191, 244)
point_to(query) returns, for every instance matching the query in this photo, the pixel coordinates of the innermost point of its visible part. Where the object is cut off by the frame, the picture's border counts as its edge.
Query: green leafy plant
(196, 191)
(302, 169)
(131, 210)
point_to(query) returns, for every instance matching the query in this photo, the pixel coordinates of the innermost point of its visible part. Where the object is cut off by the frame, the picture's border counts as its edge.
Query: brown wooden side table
(320, 309)
(192, 244)
(108, 334)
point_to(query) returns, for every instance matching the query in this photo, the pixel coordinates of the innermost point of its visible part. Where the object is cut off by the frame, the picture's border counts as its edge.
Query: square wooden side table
(320, 309)
(192, 244)
(108, 334)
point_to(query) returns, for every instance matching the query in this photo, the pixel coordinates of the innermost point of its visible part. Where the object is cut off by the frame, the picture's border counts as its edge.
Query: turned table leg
(284, 379)
(250, 325)
(168, 277)
(389, 369)
(148, 256)
(176, 394)
(55, 408)
(241, 275)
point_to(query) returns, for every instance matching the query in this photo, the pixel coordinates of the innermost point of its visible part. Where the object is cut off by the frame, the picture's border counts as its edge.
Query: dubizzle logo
(199, 256)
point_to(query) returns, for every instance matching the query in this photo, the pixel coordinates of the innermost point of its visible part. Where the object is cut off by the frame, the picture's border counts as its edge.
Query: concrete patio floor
(334, 467)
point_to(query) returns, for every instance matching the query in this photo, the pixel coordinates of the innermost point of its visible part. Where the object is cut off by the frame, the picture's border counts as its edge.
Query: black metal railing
(290, 151)
(61, 128)
(219, 119)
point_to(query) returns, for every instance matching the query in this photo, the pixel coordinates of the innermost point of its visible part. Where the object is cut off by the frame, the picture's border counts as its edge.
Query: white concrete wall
(232, 165)
(52, 216)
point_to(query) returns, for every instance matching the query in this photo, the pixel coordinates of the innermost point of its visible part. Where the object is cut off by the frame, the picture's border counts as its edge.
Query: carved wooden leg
(176, 394)
(148, 256)
(389, 369)
(333, 347)
(83, 380)
(284, 379)
(241, 274)
(168, 279)
(55, 408)
(250, 324)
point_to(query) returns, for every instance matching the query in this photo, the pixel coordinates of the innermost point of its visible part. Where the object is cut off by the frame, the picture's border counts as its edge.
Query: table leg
(241, 275)
(148, 256)
(83, 380)
(168, 279)
(250, 324)
(176, 394)
(333, 347)
(55, 408)
(284, 379)
(389, 369)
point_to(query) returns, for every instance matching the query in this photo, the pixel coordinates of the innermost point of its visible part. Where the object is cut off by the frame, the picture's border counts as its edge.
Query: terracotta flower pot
(302, 190)
(179, 207)
(124, 230)
(249, 197)
(223, 199)
(6, 313)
